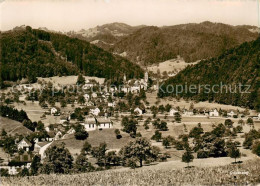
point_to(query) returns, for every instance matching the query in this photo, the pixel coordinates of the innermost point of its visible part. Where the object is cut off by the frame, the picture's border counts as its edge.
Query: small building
(231, 114)
(24, 144)
(86, 96)
(90, 124)
(104, 123)
(214, 113)
(94, 111)
(173, 111)
(58, 135)
(71, 131)
(138, 111)
(188, 113)
(54, 110)
(111, 104)
(39, 145)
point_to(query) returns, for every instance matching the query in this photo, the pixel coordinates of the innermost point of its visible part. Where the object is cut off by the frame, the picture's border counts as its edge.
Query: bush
(202, 154)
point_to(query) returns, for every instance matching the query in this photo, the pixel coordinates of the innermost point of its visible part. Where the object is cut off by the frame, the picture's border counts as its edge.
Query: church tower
(146, 77)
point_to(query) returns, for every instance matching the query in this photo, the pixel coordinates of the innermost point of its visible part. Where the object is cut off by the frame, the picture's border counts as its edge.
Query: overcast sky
(65, 15)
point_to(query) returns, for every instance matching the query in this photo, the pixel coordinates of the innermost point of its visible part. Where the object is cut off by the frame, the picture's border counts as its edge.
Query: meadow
(239, 174)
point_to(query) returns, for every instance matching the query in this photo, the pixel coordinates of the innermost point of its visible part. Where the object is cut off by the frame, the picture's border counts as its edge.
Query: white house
(94, 95)
(58, 136)
(95, 111)
(138, 111)
(71, 131)
(24, 144)
(188, 113)
(39, 145)
(111, 104)
(104, 123)
(214, 113)
(173, 111)
(86, 96)
(231, 114)
(54, 110)
(90, 124)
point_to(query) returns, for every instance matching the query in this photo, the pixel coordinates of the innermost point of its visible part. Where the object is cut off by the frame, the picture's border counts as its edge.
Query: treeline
(236, 66)
(31, 53)
(191, 41)
(13, 113)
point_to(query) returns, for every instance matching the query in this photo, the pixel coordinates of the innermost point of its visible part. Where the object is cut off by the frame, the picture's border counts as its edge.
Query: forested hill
(32, 53)
(193, 42)
(238, 65)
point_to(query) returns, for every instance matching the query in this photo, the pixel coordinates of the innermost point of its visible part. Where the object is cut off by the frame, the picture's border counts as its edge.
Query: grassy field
(175, 65)
(13, 127)
(238, 174)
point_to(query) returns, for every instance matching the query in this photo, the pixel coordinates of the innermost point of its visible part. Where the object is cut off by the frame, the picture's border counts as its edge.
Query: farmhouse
(94, 111)
(188, 113)
(54, 110)
(138, 111)
(111, 104)
(214, 113)
(90, 124)
(24, 144)
(39, 145)
(104, 123)
(231, 114)
(173, 111)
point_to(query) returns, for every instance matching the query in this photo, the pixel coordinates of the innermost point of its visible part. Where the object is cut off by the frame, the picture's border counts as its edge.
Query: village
(97, 111)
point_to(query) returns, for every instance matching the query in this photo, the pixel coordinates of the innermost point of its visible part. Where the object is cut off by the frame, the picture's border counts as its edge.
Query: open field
(68, 80)
(239, 174)
(95, 138)
(175, 65)
(152, 99)
(13, 127)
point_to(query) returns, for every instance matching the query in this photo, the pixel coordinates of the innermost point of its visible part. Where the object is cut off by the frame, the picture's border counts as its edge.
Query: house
(94, 95)
(94, 111)
(188, 113)
(138, 111)
(71, 131)
(111, 104)
(53, 110)
(64, 119)
(173, 111)
(58, 135)
(231, 114)
(24, 144)
(90, 124)
(214, 113)
(104, 123)
(86, 96)
(39, 145)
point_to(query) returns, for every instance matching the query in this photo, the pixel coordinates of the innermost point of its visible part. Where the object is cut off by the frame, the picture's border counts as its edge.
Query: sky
(66, 15)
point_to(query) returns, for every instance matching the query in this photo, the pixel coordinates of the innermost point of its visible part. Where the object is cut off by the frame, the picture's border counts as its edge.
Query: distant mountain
(193, 42)
(240, 65)
(106, 35)
(35, 53)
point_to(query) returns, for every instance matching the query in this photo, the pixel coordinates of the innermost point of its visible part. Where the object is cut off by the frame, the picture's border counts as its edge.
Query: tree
(82, 164)
(157, 136)
(36, 163)
(81, 99)
(256, 148)
(140, 150)
(86, 149)
(118, 135)
(241, 122)
(100, 153)
(112, 157)
(250, 122)
(166, 142)
(80, 132)
(229, 123)
(58, 160)
(187, 157)
(234, 152)
(80, 80)
(129, 125)
(177, 117)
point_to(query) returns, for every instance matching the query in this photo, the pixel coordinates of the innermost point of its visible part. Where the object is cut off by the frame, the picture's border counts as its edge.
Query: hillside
(245, 173)
(106, 35)
(238, 65)
(35, 53)
(193, 42)
(13, 127)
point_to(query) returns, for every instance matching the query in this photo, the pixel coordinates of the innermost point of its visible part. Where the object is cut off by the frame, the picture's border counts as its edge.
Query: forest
(32, 53)
(240, 65)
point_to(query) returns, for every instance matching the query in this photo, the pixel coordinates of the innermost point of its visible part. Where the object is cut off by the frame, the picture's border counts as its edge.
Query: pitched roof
(103, 120)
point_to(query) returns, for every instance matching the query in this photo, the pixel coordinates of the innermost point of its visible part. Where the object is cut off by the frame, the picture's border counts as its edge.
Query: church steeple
(146, 77)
